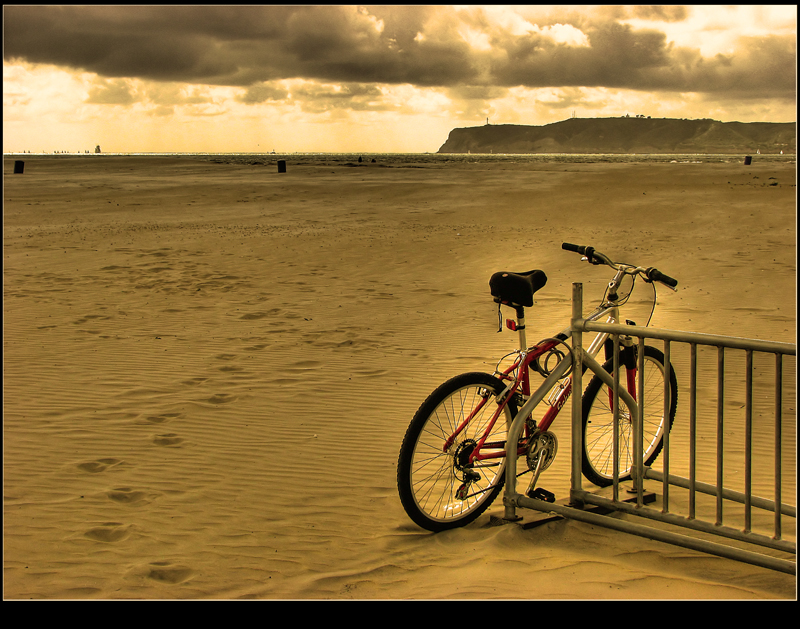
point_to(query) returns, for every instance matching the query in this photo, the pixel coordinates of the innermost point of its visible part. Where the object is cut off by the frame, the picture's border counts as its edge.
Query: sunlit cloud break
(388, 78)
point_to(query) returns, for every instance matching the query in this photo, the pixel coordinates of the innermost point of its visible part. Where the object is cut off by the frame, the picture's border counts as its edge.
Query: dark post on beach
(748, 159)
(281, 166)
(19, 167)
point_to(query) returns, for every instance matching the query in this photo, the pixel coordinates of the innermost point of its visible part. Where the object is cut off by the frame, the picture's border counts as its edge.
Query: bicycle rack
(583, 505)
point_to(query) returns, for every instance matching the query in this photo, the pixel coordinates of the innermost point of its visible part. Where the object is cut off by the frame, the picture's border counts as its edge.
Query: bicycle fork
(627, 359)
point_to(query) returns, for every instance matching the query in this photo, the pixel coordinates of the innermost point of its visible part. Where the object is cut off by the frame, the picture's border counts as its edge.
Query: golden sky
(376, 79)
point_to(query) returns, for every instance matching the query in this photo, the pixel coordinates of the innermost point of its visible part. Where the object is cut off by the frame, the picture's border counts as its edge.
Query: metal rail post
(577, 390)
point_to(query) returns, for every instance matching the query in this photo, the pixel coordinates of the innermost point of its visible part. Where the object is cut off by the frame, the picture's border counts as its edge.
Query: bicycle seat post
(523, 343)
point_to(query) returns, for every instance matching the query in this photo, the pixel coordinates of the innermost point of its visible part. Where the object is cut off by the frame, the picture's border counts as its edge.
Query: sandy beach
(209, 366)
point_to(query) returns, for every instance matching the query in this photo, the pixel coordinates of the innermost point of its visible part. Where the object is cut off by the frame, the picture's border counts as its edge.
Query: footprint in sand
(109, 532)
(128, 496)
(170, 439)
(254, 315)
(160, 419)
(194, 381)
(221, 398)
(166, 572)
(100, 465)
(86, 318)
(250, 316)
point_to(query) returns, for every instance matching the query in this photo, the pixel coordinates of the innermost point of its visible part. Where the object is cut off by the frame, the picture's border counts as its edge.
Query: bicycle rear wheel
(598, 421)
(438, 487)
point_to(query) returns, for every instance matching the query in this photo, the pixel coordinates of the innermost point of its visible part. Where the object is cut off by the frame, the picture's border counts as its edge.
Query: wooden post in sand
(19, 167)
(281, 166)
(747, 160)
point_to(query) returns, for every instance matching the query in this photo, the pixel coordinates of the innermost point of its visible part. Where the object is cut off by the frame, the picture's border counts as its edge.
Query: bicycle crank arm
(536, 472)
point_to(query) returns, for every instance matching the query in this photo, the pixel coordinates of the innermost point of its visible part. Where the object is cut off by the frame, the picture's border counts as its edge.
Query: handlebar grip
(584, 251)
(570, 247)
(654, 275)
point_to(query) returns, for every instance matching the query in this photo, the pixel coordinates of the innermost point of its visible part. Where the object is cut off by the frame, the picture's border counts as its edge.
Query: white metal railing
(692, 519)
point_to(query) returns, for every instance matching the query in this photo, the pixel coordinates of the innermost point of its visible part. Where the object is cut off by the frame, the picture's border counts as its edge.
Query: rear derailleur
(463, 469)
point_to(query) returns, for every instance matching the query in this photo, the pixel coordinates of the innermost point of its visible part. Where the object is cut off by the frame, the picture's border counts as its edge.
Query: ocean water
(435, 159)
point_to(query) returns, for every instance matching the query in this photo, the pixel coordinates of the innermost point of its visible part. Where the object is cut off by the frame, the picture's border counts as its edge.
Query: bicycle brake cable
(630, 292)
(653, 309)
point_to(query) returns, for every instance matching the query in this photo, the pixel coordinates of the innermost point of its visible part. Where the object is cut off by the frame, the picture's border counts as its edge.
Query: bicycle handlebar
(650, 274)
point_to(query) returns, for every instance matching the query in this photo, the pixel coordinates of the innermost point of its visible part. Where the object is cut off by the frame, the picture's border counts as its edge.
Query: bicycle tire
(428, 477)
(598, 421)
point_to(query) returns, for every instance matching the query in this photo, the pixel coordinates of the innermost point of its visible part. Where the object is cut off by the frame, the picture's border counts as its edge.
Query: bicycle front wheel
(439, 488)
(598, 421)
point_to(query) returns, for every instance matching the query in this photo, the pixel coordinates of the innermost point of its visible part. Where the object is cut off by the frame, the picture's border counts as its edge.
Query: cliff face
(626, 135)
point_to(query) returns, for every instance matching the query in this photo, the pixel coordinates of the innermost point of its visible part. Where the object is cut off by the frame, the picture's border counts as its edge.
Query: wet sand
(209, 367)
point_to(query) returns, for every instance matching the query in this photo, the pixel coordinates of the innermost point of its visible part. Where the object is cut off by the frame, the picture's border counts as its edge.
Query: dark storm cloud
(620, 57)
(263, 93)
(424, 46)
(616, 57)
(143, 42)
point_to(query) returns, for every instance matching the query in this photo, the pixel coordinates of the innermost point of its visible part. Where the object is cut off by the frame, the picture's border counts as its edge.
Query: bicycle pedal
(542, 494)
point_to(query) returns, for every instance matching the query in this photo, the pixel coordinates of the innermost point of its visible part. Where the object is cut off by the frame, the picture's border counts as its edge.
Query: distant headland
(637, 134)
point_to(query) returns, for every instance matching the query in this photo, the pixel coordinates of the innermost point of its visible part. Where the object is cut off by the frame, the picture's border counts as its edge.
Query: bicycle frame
(518, 375)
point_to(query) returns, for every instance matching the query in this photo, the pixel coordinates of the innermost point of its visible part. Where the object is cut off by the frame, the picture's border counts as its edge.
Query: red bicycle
(452, 461)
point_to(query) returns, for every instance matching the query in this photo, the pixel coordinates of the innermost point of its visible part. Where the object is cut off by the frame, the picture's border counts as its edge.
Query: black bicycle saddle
(516, 289)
